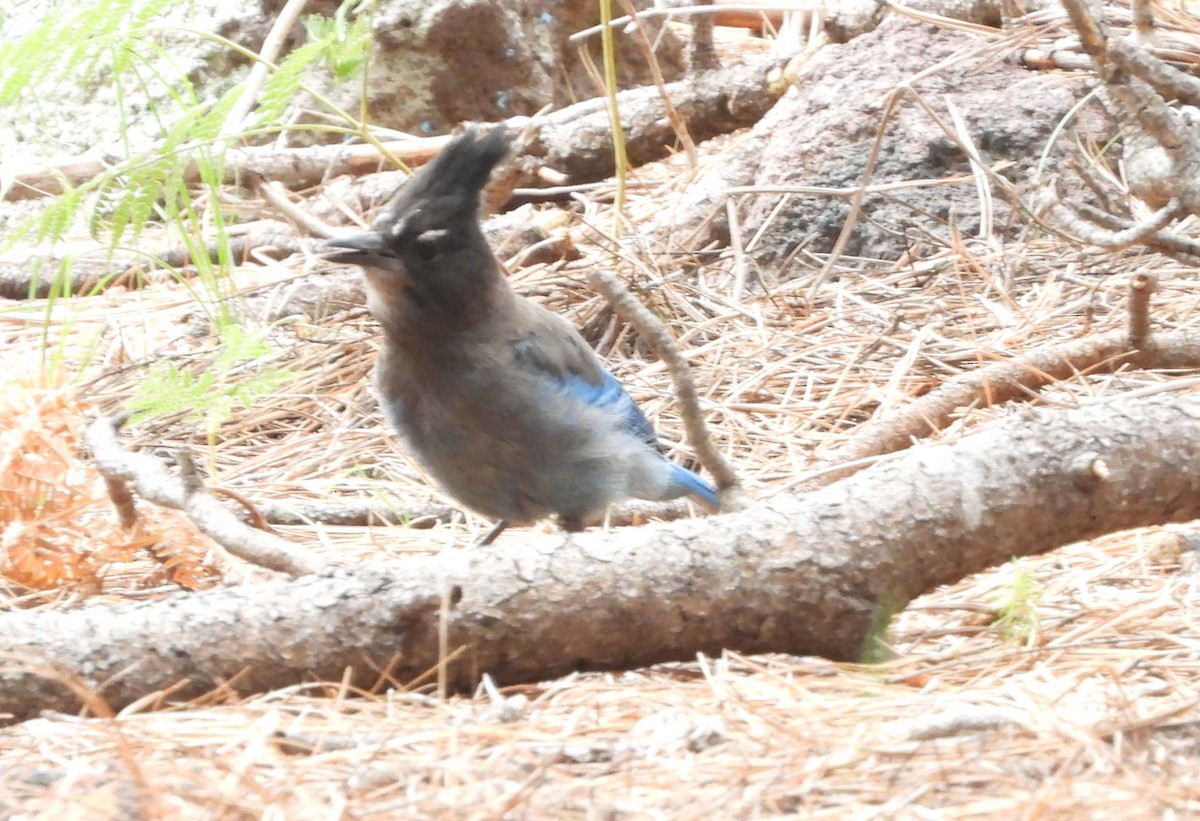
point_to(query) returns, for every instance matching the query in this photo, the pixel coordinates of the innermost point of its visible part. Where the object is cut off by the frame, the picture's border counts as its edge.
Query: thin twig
(673, 115)
(847, 231)
(276, 194)
(255, 546)
(738, 248)
(1178, 247)
(702, 8)
(1135, 234)
(253, 84)
(659, 339)
(996, 383)
(154, 483)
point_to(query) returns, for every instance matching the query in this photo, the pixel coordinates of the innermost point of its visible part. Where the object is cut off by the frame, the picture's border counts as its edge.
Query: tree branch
(803, 575)
(1002, 381)
(570, 140)
(155, 484)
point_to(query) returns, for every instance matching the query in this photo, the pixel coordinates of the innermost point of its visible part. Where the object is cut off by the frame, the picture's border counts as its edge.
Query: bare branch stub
(115, 485)
(1143, 18)
(122, 499)
(1140, 290)
(703, 56)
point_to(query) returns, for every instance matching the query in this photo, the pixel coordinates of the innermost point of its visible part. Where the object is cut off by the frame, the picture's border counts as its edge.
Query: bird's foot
(493, 534)
(571, 524)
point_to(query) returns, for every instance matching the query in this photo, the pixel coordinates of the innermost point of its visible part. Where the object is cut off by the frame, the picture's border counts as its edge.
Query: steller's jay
(500, 399)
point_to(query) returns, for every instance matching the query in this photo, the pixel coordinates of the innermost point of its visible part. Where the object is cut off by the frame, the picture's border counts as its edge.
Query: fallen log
(796, 574)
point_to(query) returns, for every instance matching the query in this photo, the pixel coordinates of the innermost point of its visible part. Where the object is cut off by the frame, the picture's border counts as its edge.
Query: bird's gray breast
(506, 444)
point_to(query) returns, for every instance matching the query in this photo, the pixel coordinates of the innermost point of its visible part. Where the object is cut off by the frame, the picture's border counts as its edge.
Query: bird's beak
(356, 249)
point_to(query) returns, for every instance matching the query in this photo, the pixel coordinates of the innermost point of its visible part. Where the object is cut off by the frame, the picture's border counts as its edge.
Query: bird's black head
(425, 258)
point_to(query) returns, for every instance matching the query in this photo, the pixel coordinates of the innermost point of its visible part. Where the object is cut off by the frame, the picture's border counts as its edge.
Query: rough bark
(100, 269)
(297, 167)
(802, 575)
(575, 141)
(578, 140)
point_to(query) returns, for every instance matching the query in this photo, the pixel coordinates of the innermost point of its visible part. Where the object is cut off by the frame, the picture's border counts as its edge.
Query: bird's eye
(427, 244)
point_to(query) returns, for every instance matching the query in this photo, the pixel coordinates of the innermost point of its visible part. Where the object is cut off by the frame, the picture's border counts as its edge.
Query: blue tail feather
(694, 486)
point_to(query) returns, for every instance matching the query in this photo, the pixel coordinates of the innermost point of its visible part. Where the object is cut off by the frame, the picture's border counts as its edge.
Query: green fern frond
(345, 43)
(248, 389)
(126, 201)
(280, 89)
(129, 207)
(200, 124)
(64, 41)
(22, 64)
(167, 390)
(141, 18)
(238, 345)
(99, 20)
(341, 46)
(56, 216)
(211, 396)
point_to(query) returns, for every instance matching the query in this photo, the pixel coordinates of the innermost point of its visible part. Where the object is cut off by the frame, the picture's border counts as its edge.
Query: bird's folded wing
(552, 349)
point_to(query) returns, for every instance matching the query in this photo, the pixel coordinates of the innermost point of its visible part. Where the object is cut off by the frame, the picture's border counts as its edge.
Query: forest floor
(1059, 686)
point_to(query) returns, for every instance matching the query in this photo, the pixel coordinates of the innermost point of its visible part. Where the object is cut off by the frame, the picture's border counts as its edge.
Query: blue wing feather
(610, 396)
(585, 381)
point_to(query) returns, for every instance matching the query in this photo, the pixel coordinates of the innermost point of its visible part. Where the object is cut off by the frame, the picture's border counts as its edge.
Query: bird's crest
(458, 173)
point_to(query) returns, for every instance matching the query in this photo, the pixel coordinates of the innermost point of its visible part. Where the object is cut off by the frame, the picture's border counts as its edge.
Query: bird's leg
(571, 524)
(493, 534)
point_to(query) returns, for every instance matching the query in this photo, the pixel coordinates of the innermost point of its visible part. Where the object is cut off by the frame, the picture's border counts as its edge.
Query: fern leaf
(280, 89)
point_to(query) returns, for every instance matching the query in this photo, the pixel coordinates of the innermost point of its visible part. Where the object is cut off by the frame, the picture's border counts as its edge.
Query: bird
(500, 399)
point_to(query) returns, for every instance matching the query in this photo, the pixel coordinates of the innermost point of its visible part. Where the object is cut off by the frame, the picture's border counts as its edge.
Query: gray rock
(824, 134)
